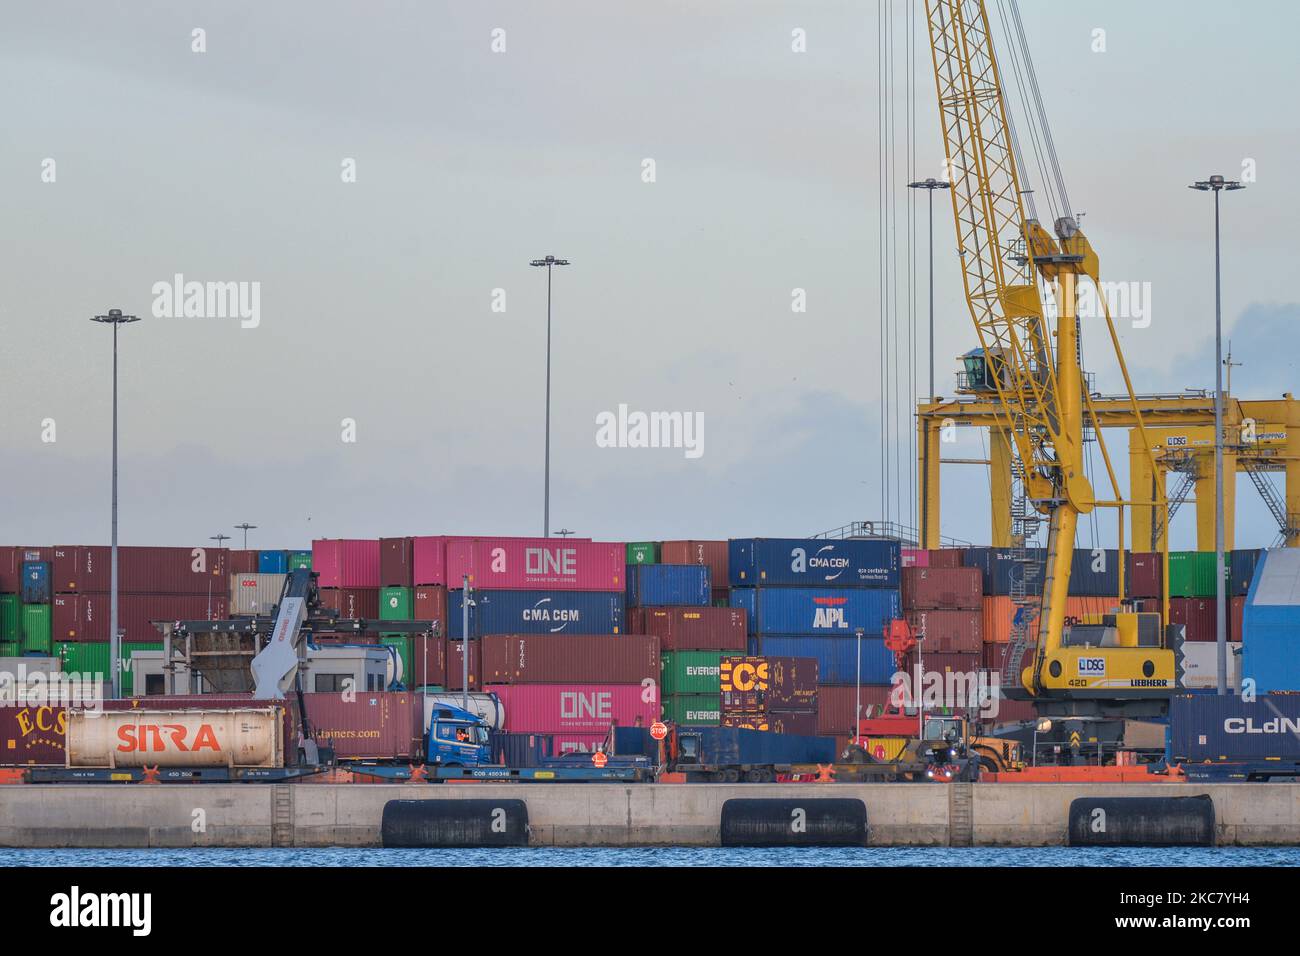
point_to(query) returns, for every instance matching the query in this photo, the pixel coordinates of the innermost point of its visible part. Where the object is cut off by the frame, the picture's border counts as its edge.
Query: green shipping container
(9, 605)
(36, 628)
(396, 604)
(299, 559)
(643, 552)
(691, 672)
(403, 644)
(701, 710)
(10, 649)
(91, 657)
(1191, 574)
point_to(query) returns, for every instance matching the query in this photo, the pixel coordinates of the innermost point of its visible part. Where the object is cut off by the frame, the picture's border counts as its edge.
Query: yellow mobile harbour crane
(1092, 677)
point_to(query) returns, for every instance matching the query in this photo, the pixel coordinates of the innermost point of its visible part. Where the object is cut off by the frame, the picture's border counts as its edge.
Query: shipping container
(538, 612)
(1191, 574)
(536, 563)
(1094, 572)
(397, 563)
(949, 632)
(346, 563)
(375, 726)
(273, 562)
(583, 708)
(92, 657)
(238, 561)
(1201, 665)
(735, 746)
(352, 603)
(840, 611)
(698, 710)
(1208, 727)
(454, 678)
(397, 604)
(520, 750)
(424, 658)
(814, 562)
(691, 672)
(1144, 574)
(942, 588)
(1271, 623)
(140, 570)
(947, 558)
(32, 735)
(798, 722)
(999, 613)
(36, 582)
(693, 628)
(969, 663)
(1236, 619)
(430, 604)
(243, 737)
(998, 566)
(256, 593)
(1241, 571)
(10, 631)
(570, 658)
(837, 657)
(712, 554)
(915, 558)
(835, 706)
(429, 560)
(299, 560)
(668, 585)
(11, 565)
(34, 621)
(756, 684)
(84, 617)
(643, 552)
(1198, 615)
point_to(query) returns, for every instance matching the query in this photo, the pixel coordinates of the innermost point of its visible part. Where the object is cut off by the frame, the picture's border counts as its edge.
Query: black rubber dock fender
(816, 821)
(454, 823)
(1142, 821)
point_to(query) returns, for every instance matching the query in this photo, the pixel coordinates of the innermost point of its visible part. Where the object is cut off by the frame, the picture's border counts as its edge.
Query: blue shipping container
(1271, 623)
(837, 657)
(1094, 572)
(814, 562)
(272, 562)
(538, 612)
(668, 585)
(825, 611)
(36, 582)
(1209, 727)
(1241, 571)
(731, 746)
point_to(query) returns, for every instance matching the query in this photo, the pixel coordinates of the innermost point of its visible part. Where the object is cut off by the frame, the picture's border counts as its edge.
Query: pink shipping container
(346, 563)
(372, 726)
(396, 563)
(352, 602)
(948, 631)
(84, 617)
(835, 707)
(933, 588)
(85, 568)
(711, 554)
(1198, 615)
(429, 560)
(569, 658)
(11, 565)
(916, 558)
(537, 564)
(692, 628)
(567, 743)
(576, 708)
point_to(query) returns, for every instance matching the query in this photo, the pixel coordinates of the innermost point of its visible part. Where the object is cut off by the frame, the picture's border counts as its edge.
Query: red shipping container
(429, 661)
(396, 562)
(1198, 615)
(939, 588)
(694, 628)
(1144, 574)
(11, 565)
(352, 602)
(1236, 613)
(949, 632)
(242, 562)
(454, 677)
(947, 558)
(431, 605)
(84, 617)
(800, 722)
(993, 655)
(83, 568)
(711, 554)
(569, 658)
(537, 564)
(916, 558)
(758, 684)
(32, 735)
(346, 563)
(720, 597)
(942, 663)
(371, 726)
(1012, 712)
(575, 708)
(567, 743)
(835, 706)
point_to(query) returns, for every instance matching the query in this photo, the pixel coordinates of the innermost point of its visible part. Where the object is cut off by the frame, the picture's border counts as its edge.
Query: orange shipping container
(999, 611)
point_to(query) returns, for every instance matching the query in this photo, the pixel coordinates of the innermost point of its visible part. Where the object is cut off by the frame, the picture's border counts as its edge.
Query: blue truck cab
(456, 738)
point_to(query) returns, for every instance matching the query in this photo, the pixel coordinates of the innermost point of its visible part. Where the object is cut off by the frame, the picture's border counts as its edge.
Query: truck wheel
(754, 776)
(731, 776)
(987, 765)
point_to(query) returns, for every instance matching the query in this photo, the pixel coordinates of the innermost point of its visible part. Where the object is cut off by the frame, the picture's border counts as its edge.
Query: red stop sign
(658, 730)
(599, 759)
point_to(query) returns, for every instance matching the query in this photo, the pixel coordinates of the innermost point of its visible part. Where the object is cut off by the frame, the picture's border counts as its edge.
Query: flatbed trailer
(505, 774)
(898, 772)
(1248, 771)
(168, 775)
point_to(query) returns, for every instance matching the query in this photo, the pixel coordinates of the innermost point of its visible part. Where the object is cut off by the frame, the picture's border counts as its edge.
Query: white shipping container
(1201, 664)
(255, 593)
(239, 737)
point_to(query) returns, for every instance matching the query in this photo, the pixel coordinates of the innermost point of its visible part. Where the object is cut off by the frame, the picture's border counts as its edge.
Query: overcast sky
(376, 296)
